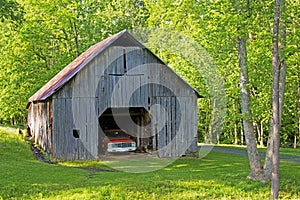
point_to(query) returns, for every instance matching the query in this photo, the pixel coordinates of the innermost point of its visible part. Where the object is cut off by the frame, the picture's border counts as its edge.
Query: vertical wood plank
(178, 126)
(168, 126)
(54, 127)
(173, 126)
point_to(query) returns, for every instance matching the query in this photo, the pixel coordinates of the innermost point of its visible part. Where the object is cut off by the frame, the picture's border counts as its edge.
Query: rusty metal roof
(123, 38)
(74, 67)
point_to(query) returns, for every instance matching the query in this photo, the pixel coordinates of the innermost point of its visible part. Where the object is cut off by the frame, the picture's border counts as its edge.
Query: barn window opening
(76, 133)
(124, 57)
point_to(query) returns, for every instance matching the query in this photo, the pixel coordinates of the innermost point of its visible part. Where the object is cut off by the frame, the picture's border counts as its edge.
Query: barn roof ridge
(67, 73)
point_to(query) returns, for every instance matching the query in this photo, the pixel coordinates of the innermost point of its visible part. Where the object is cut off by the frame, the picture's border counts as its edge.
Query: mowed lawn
(217, 176)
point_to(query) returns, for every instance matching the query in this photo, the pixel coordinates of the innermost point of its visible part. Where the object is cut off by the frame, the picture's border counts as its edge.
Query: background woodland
(39, 38)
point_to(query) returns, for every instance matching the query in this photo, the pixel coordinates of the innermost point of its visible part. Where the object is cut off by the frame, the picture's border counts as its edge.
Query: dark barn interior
(133, 120)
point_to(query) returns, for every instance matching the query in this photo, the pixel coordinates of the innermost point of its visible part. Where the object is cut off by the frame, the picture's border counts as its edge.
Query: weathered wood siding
(118, 77)
(40, 124)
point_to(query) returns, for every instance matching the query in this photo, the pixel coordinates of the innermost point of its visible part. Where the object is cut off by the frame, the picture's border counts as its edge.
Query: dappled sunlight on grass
(213, 189)
(139, 165)
(216, 176)
(180, 165)
(88, 165)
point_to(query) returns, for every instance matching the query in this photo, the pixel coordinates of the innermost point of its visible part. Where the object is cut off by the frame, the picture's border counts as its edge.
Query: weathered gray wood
(179, 127)
(168, 126)
(54, 127)
(79, 103)
(173, 126)
(68, 131)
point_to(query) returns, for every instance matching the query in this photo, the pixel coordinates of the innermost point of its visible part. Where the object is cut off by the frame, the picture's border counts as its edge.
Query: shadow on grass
(215, 176)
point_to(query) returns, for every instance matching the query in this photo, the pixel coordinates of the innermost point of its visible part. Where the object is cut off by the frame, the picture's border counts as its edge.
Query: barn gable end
(76, 105)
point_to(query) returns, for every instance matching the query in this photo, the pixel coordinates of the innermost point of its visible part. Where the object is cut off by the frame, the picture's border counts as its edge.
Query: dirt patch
(94, 169)
(117, 156)
(39, 155)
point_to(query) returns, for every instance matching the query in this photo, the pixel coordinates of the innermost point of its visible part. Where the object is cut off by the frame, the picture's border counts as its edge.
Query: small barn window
(124, 57)
(76, 133)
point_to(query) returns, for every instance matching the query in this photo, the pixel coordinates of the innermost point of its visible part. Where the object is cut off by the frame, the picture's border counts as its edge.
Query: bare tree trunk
(275, 103)
(282, 76)
(256, 172)
(235, 133)
(282, 46)
(235, 128)
(295, 138)
(257, 131)
(261, 133)
(242, 133)
(76, 38)
(269, 155)
(253, 155)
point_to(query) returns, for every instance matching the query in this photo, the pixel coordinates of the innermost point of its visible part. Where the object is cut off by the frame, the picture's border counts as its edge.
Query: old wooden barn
(117, 83)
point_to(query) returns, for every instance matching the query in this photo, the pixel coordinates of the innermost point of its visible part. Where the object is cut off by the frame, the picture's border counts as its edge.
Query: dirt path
(243, 152)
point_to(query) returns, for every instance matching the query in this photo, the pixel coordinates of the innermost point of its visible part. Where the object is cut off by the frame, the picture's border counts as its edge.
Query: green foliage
(217, 176)
(39, 38)
(53, 33)
(215, 25)
(10, 11)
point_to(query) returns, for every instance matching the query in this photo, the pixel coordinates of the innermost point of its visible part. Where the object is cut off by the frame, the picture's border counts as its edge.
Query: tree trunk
(261, 133)
(253, 155)
(75, 32)
(282, 77)
(295, 135)
(255, 131)
(275, 103)
(235, 127)
(269, 154)
(242, 133)
(235, 133)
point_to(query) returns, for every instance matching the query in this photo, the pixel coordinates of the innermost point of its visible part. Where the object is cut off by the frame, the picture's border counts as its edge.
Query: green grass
(217, 176)
(283, 150)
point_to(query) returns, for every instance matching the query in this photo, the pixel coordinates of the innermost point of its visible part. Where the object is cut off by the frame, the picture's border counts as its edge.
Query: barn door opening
(133, 120)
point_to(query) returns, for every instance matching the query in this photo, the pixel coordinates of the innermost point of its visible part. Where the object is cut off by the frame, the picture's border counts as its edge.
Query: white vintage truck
(119, 141)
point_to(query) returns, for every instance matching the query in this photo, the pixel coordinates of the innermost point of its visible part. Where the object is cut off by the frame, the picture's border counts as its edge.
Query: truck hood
(120, 140)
